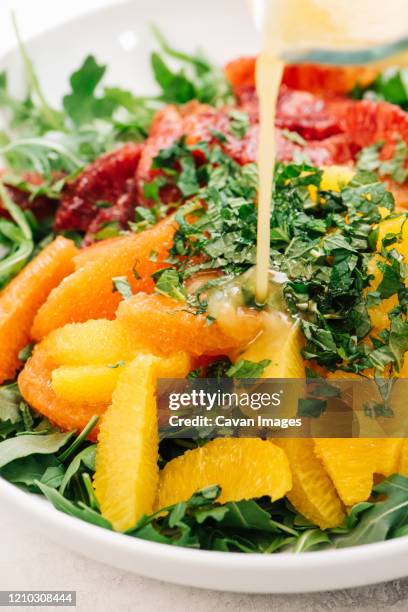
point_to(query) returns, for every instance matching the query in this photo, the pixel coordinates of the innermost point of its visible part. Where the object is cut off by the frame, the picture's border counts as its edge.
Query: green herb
(391, 85)
(17, 239)
(168, 283)
(248, 369)
(239, 123)
(294, 137)
(369, 160)
(122, 285)
(197, 79)
(26, 352)
(85, 457)
(118, 364)
(103, 204)
(68, 452)
(108, 230)
(82, 104)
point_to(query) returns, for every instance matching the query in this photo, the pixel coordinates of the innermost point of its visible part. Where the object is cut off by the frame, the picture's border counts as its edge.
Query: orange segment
(352, 463)
(87, 293)
(35, 386)
(244, 469)
(313, 493)
(95, 342)
(98, 249)
(126, 474)
(22, 297)
(281, 341)
(403, 460)
(91, 384)
(164, 326)
(379, 312)
(334, 178)
(394, 225)
(388, 453)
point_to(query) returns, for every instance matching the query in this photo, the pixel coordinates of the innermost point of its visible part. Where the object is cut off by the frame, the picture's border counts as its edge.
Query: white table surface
(28, 561)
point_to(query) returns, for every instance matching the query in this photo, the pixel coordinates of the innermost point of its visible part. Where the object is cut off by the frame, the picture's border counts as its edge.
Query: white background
(27, 561)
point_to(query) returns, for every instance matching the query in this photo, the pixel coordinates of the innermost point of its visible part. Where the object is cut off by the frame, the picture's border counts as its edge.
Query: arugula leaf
(25, 471)
(202, 523)
(377, 521)
(176, 88)
(85, 457)
(30, 444)
(310, 540)
(68, 452)
(52, 117)
(10, 399)
(82, 104)
(197, 79)
(22, 238)
(79, 510)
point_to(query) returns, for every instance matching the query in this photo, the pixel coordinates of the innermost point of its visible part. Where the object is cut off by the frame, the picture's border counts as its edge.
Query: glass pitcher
(335, 31)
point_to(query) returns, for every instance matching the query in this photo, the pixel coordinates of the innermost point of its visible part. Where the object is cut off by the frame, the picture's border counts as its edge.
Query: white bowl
(120, 37)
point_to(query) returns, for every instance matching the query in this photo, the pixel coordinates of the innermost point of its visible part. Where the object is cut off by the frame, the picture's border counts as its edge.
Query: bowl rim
(39, 507)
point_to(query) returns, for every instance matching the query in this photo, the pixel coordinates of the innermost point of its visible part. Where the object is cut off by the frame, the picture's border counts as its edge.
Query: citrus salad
(128, 235)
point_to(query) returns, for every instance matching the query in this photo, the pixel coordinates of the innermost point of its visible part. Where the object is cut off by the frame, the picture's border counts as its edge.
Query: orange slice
(127, 473)
(164, 325)
(313, 493)
(88, 292)
(244, 469)
(24, 295)
(35, 386)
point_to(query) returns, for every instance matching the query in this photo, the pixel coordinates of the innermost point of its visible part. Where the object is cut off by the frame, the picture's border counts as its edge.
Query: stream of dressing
(296, 25)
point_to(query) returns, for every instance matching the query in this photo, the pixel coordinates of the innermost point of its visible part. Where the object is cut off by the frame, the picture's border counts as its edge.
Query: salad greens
(41, 460)
(57, 143)
(321, 241)
(94, 118)
(391, 85)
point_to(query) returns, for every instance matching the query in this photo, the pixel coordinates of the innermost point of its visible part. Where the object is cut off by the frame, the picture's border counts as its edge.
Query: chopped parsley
(369, 159)
(248, 369)
(122, 285)
(168, 283)
(239, 123)
(323, 245)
